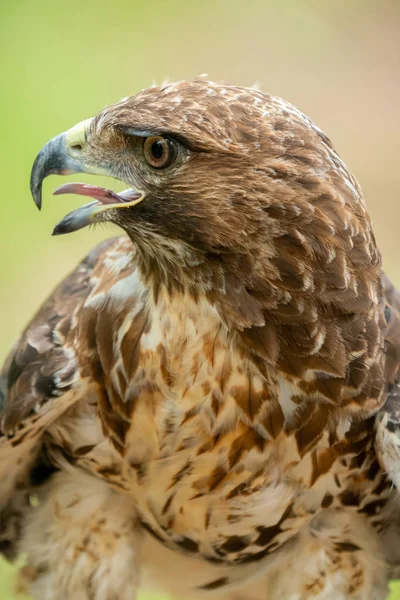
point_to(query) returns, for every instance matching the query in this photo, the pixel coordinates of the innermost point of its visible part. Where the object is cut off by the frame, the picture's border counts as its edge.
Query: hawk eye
(158, 151)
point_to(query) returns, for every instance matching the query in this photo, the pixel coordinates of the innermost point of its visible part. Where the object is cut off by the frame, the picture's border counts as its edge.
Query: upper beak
(55, 158)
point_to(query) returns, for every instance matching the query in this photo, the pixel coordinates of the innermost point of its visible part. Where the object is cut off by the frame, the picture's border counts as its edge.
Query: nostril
(76, 147)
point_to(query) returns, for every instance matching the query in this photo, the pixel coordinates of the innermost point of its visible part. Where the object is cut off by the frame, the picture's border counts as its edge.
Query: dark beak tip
(37, 198)
(60, 228)
(35, 183)
(36, 191)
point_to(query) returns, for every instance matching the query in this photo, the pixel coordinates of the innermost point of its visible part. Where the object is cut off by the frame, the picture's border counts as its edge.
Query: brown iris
(158, 151)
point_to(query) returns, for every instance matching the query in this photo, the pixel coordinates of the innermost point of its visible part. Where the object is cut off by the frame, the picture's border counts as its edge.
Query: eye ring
(159, 151)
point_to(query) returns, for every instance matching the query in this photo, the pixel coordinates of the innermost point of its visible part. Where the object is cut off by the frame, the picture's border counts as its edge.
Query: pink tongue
(101, 194)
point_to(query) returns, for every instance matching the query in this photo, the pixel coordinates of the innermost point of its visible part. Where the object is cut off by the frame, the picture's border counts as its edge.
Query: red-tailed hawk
(207, 404)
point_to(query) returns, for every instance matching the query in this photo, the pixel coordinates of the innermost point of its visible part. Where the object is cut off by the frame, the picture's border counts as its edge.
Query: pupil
(157, 150)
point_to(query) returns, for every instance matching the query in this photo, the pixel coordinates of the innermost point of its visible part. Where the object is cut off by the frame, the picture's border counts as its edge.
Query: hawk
(208, 404)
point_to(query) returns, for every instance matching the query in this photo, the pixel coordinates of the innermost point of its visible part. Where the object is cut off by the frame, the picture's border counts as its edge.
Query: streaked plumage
(208, 403)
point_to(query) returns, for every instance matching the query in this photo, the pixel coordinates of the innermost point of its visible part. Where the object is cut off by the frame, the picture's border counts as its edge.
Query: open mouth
(55, 159)
(100, 194)
(104, 199)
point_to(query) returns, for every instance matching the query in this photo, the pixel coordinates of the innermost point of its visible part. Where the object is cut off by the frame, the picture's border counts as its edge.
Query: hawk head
(230, 191)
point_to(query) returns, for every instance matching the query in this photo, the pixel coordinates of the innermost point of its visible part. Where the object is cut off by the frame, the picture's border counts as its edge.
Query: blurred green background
(61, 62)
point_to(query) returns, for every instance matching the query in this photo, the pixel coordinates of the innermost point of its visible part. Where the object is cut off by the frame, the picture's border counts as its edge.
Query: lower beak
(104, 200)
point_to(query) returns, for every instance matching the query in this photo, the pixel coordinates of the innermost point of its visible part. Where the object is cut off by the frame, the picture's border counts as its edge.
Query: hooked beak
(55, 158)
(63, 156)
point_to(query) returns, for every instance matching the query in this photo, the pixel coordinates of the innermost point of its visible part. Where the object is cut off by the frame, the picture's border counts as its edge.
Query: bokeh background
(60, 62)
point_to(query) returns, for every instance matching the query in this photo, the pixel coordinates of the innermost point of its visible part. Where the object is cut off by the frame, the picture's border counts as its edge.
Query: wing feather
(41, 378)
(387, 441)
